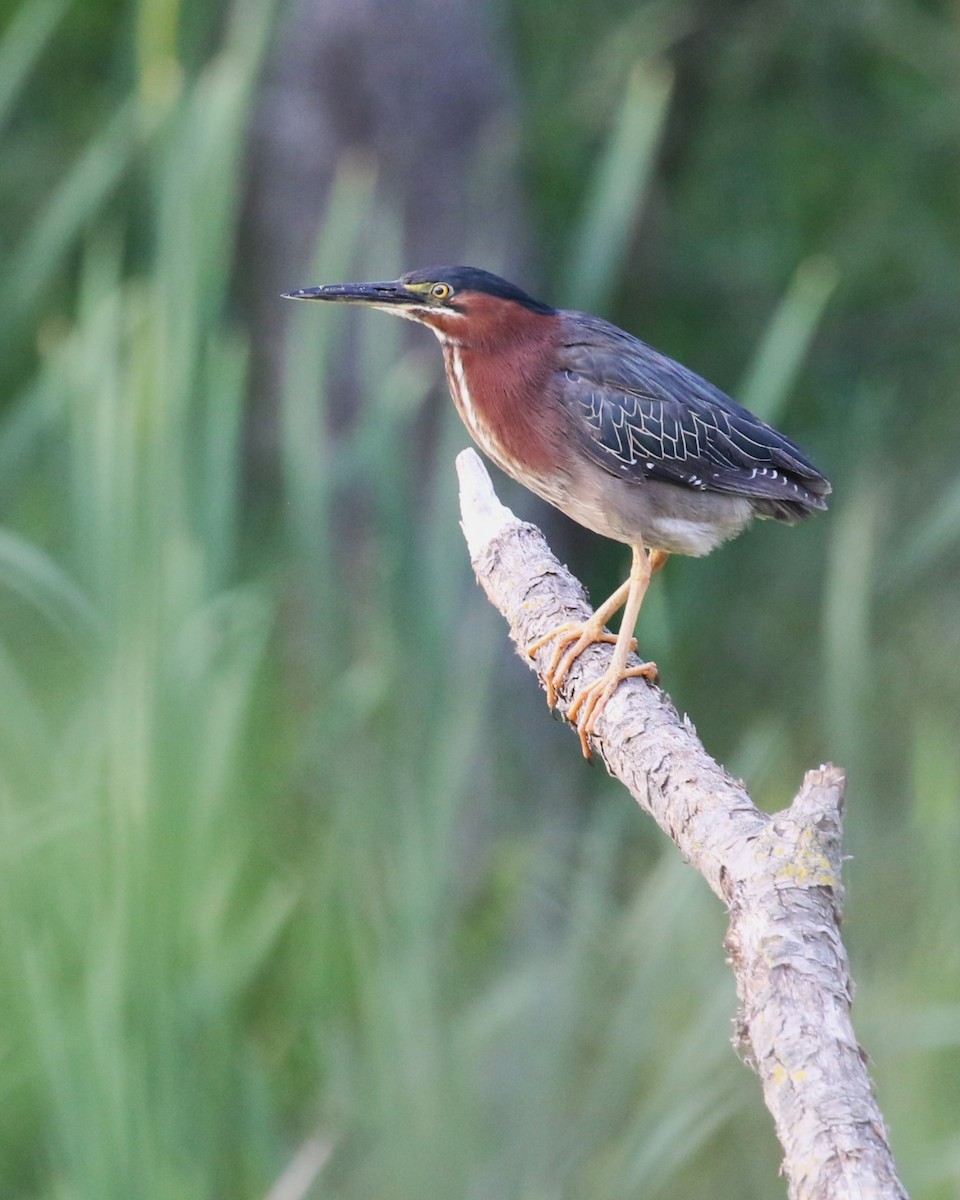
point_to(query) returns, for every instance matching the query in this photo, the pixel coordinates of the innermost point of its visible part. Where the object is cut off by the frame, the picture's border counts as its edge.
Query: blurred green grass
(275, 866)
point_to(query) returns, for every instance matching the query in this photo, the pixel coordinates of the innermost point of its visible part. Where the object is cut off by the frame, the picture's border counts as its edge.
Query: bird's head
(458, 303)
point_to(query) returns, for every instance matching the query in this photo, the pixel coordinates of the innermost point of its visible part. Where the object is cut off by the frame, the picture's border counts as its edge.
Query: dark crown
(472, 279)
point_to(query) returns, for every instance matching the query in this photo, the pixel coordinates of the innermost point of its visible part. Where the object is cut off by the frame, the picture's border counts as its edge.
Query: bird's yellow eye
(440, 291)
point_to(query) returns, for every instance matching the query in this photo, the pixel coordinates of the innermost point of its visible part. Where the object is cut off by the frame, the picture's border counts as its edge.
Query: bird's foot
(589, 703)
(581, 634)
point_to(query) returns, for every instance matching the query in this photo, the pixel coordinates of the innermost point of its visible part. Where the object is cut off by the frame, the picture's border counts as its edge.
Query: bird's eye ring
(440, 291)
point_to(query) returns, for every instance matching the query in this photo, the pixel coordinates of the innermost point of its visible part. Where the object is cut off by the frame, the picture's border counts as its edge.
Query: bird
(617, 435)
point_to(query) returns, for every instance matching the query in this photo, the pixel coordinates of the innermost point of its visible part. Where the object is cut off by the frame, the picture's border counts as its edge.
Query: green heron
(615, 434)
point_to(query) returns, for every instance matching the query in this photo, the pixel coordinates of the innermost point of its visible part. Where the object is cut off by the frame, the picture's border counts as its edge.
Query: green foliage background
(279, 883)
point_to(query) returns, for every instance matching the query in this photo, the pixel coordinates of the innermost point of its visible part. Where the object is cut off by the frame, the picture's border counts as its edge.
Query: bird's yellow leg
(583, 634)
(589, 703)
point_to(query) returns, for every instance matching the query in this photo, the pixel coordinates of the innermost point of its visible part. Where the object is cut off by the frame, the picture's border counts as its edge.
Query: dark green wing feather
(640, 415)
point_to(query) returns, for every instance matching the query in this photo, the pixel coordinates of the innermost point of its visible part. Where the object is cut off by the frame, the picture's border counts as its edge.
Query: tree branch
(779, 875)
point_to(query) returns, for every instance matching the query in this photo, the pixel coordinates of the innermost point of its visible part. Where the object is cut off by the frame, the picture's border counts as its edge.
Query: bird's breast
(500, 399)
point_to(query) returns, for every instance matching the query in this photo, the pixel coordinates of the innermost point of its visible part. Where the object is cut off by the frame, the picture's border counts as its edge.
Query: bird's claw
(593, 698)
(582, 634)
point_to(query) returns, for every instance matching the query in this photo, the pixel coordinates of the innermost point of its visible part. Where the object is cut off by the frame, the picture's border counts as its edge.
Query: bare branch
(778, 875)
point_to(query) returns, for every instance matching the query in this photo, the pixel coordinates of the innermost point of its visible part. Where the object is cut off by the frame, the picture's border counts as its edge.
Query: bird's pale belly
(657, 514)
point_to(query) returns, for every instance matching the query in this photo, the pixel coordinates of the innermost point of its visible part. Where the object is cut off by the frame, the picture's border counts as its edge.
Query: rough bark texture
(778, 875)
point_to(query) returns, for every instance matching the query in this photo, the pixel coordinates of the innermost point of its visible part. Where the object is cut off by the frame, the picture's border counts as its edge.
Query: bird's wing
(639, 415)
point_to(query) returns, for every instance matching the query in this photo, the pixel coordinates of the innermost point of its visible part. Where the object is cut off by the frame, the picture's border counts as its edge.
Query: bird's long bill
(380, 294)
